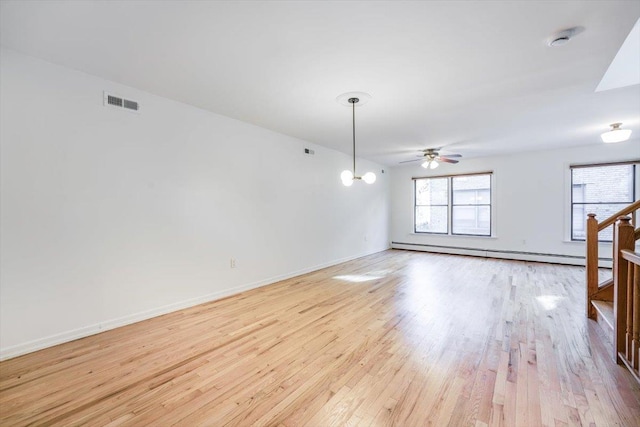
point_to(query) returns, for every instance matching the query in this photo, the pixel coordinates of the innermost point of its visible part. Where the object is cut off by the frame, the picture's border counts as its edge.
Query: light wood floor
(397, 338)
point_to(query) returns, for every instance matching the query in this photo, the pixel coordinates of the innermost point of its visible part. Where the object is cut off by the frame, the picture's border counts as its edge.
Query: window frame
(450, 205)
(447, 205)
(451, 178)
(634, 192)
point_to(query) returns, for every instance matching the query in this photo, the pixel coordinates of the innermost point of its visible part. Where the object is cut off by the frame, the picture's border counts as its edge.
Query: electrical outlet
(233, 263)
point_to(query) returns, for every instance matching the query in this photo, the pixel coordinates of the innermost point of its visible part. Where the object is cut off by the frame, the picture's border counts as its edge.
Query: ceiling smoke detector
(564, 36)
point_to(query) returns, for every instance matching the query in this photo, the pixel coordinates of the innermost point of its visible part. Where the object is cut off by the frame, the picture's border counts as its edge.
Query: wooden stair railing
(621, 316)
(627, 309)
(603, 291)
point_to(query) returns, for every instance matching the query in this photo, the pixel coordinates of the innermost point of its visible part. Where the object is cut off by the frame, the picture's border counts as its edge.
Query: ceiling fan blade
(444, 159)
(452, 155)
(409, 161)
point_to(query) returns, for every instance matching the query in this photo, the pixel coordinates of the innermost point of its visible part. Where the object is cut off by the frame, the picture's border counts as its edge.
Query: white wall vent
(116, 101)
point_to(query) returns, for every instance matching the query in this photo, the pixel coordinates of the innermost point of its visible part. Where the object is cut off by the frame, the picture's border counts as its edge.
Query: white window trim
(493, 208)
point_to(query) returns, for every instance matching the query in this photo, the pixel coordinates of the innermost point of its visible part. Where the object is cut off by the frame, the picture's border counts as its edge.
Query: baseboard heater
(499, 253)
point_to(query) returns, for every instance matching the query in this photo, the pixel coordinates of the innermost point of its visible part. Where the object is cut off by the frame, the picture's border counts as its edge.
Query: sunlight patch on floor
(359, 278)
(549, 302)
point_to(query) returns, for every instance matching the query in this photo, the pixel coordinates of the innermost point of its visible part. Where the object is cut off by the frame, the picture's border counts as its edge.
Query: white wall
(109, 217)
(531, 207)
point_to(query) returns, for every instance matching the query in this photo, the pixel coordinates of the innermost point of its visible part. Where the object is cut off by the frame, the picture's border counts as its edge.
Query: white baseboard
(50, 341)
(501, 254)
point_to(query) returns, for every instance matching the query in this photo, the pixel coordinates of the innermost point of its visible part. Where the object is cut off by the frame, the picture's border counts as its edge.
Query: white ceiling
(474, 76)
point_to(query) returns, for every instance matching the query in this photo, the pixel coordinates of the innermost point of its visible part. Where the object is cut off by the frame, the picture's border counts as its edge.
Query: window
(471, 206)
(432, 205)
(602, 190)
(458, 204)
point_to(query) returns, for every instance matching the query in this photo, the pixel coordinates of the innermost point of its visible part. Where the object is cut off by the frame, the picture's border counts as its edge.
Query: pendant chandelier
(349, 176)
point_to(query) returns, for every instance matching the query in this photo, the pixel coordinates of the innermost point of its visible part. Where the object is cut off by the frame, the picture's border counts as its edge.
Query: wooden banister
(593, 227)
(626, 283)
(633, 257)
(630, 355)
(634, 282)
(623, 295)
(633, 309)
(626, 211)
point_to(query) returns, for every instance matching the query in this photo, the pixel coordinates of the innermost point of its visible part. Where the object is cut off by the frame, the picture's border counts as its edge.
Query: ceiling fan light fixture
(431, 158)
(430, 164)
(616, 134)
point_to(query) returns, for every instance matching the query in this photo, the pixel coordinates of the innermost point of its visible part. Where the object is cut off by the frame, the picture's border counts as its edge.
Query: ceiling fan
(431, 158)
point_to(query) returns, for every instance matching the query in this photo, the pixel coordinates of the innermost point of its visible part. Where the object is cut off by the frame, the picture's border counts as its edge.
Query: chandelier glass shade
(347, 178)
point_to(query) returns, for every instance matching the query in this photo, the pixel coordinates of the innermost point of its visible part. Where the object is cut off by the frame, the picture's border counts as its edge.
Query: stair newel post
(634, 282)
(623, 238)
(591, 262)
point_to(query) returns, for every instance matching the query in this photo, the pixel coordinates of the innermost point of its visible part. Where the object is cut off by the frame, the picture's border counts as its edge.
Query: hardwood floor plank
(396, 338)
